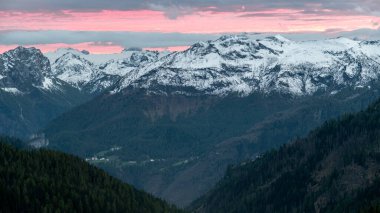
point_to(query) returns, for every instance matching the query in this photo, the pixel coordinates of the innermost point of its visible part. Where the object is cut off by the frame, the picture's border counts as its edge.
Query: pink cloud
(278, 20)
(204, 21)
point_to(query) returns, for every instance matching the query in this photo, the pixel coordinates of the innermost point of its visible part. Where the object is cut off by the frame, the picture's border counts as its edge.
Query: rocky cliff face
(22, 68)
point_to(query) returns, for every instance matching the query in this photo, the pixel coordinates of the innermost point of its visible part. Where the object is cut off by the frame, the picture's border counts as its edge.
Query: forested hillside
(49, 181)
(336, 168)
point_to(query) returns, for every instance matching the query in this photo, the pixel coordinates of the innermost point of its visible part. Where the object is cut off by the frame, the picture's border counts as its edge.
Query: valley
(172, 123)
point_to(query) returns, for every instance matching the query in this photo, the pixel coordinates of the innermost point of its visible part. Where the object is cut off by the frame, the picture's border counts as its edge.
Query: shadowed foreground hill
(336, 168)
(49, 181)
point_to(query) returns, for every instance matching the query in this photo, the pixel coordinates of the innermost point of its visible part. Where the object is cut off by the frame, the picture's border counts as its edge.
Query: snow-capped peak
(53, 56)
(73, 69)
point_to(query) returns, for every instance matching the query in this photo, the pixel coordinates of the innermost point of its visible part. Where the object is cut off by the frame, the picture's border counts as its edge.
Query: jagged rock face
(133, 59)
(143, 57)
(243, 65)
(23, 67)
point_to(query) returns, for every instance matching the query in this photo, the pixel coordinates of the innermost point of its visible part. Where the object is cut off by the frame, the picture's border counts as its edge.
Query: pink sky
(279, 20)
(276, 20)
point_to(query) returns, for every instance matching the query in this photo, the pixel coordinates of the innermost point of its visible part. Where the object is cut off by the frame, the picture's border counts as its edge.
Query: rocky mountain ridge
(96, 72)
(242, 64)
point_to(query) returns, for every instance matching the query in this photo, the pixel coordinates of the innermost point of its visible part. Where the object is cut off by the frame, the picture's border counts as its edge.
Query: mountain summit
(22, 68)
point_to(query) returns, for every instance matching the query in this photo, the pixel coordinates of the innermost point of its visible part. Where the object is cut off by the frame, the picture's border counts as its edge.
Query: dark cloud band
(126, 39)
(174, 8)
(144, 40)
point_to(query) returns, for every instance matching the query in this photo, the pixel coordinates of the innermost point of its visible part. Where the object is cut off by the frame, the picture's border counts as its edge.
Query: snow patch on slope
(12, 90)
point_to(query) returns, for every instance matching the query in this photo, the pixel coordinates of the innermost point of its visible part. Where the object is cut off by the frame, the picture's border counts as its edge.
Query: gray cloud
(362, 34)
(174, 8)
(125, 39)
(144, 40)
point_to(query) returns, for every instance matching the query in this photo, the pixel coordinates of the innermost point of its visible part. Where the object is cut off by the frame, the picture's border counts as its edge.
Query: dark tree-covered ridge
(336, 168)
(49, 181)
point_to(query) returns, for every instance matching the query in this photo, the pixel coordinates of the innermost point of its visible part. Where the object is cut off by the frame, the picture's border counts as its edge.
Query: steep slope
(46, 181)
(29, 95)
(334, 169)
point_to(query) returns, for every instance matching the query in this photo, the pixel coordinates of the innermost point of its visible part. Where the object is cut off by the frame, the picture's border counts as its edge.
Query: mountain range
(171, 123)
(243, 65)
